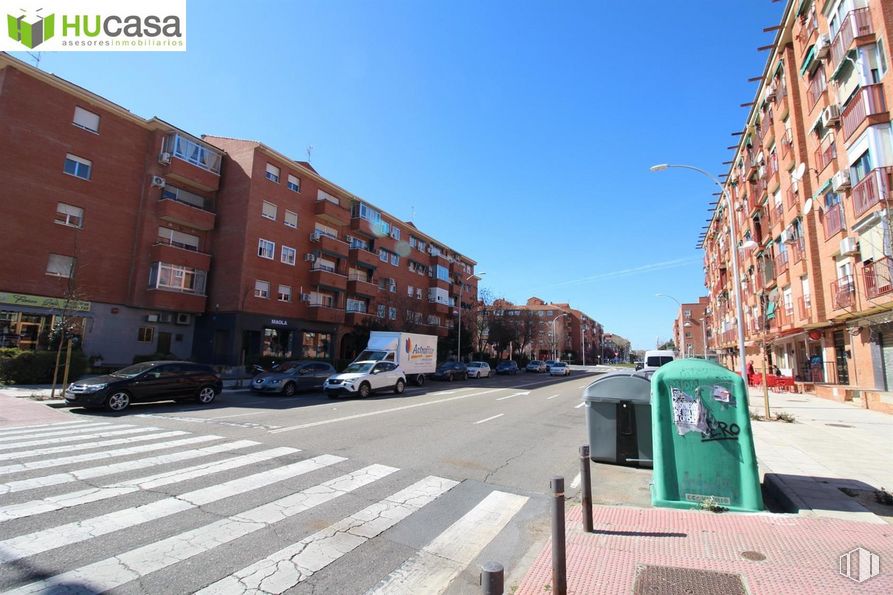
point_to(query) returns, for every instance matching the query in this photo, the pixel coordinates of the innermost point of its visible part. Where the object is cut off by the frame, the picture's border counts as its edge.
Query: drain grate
(839, 425)
(667, 580)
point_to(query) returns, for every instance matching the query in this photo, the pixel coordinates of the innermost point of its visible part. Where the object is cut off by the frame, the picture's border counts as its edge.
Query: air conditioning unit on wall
(164, 159)
(151, 317)
(849, 246)
(840, 181)
(823, 46)
(183, 318)
(831, 115)
(158, 182)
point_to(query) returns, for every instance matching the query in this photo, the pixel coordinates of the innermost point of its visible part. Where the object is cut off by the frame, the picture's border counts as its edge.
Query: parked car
(536, 366)
(549, 363)
(656, 358)
(479, 370)
(450, 371)
(365, 378)
(507, 367)
(146, 382)
(559, 369)
(291, 377)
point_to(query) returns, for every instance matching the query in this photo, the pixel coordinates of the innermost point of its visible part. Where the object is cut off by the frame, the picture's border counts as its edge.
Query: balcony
(192, 162)
(181, 213)
(163, 252)
(778, 215)
(857, 23)
(797, 248)
(808, 30)
(804, 305)
(359, 286)
(781, 262)
(771, 165)
(767, 272)
(323, 277)
(824, 156)
(439, 283)
(439, 307)
(833, 221)
(868, 101)
(765, 129)
(158, 298)
(356, 317)
(330, 213)
(843, 292)
(878, 277)
(321, 313)
(787, 141)
(792, 199)
(872, 189)
(816, 89)
(363, 226)
(361, 257)
(329, 245)
(441, 260)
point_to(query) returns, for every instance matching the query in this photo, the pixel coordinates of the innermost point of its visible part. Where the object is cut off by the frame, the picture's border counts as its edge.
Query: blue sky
(520, 133)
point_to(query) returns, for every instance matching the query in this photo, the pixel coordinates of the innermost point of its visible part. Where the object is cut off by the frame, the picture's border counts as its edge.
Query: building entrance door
(886, 342)
(840, 360)
(164, 343)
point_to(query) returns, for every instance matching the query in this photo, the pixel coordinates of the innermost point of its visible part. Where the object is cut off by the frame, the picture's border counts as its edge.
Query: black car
(450, 371)
(148, 381)
(290, 377)
(508, 367)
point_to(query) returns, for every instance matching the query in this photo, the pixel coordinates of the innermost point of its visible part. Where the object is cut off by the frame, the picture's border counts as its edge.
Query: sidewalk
(16, 411)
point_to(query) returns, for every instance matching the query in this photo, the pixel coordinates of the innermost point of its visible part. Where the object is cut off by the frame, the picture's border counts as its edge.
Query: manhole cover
(665, 580)
(839, 425)
(753, 556)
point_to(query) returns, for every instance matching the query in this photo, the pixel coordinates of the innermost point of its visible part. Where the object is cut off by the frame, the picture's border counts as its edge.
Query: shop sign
(39, 301)
(278, 322)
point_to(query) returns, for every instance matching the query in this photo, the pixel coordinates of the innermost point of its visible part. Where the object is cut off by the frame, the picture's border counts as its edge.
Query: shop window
(145, 334)
(316, 345)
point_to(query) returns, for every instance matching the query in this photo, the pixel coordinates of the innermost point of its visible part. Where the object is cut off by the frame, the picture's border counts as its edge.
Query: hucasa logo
(116, 26)
(31, 30)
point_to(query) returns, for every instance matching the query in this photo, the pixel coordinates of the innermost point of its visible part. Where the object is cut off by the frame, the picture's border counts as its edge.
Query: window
(380, 311)
(69, 215)
(442, 273)
(272, 173)
(189, 198)
(322, 264)
(366, 212)
(284, 294)
(860, 168)
(382, 255)
(355, 305)
(685, 313)
(418, 293)
(316, 345)
(358, 243)
(410, 291)
(294, 183)
(262, 289)
(291, 219)
(392, 313)
(413, 242)
(323, 195)
(269, 211)
(395, 259)
(78, 167)
(145, 334)
(178, 239)
(421, 246)
(196, 154)
(266, 248)
(322, 299)
(395, 233)
(176, 278)
(325, 230)
(86, 120)
(287, 255)
(60, 266)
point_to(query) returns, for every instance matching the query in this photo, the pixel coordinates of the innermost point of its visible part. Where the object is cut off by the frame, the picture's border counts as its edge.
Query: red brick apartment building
(554, 330)
(156, 240)
(818, 289)
(690, 329)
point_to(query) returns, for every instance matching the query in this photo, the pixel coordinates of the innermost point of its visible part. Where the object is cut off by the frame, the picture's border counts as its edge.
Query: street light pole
(459, 331)
(733, 249)
(703, 322)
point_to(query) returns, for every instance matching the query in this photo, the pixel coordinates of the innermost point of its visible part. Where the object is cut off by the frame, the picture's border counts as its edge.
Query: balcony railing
(778, 216)
(843, 292)
(781, 262)
(796, 249)
(825, 155)
(878, 277)
(804, 305)
(787, 141)
(771, 165)
(833, 220)
(868, 101)
(767, 271)
(816, 87)
(792, 199)
(856, 24)
(193, 152)
(808, 30)
(872, 189)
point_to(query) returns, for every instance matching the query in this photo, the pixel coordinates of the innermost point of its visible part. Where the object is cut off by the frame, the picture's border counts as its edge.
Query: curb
(779, 487)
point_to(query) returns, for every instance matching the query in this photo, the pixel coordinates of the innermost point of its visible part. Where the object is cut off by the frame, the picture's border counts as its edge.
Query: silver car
(290, 377)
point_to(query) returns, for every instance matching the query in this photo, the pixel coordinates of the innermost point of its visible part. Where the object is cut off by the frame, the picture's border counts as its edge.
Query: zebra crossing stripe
(46, 432)
(27, 429)
(62, 439)
(296, 563)
(102, 470)
(78, 531)
(439, 562)
(116, 571)
(6, 456)
(71, 499)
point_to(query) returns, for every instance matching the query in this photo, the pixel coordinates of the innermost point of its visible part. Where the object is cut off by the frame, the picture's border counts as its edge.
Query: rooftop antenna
(309, 153)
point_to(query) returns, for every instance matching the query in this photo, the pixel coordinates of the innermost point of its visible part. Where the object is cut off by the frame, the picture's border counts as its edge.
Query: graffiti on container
(719, 430)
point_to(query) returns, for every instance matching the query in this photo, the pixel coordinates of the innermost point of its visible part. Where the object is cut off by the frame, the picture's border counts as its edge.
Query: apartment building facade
(809, 184)
(690, 329)
(147, 239)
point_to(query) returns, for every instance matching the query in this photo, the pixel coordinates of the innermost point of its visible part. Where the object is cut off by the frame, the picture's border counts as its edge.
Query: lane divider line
(521, 394)
(489, 419)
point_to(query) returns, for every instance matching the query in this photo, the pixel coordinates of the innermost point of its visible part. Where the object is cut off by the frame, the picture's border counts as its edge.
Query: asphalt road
(406, 494)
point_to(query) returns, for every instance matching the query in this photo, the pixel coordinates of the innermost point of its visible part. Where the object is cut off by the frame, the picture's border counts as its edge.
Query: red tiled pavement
(801, 553)
(25, 412)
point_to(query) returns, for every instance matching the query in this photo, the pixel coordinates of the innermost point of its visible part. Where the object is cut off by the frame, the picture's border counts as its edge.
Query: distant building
(690, 329)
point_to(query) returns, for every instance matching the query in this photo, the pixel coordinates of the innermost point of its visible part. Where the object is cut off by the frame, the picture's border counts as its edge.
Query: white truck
(415, 354)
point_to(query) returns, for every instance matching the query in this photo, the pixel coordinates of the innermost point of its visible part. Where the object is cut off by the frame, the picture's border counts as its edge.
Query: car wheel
(449, 377)
(420, 380)
(118, 401)
(289, 389)
(465, 376)
(364, 391)
(399, 387)
(206, 395)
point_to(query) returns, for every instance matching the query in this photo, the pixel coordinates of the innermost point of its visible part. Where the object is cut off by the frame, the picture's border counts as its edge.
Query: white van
(657, 358)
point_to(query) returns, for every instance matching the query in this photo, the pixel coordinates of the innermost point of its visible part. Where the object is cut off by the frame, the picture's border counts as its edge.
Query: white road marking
(579, 405)
(296, 563)
(46, 433)
(438, 563)
(103, 470)
(576, 482)
(27, 429)
(238, 415)
(380, 412)
(209, 420)
(488, 419)
(78, 531)
(552, 397)
(62, 439)
(71, 499)
(5, 456)
(520, 394)
(115, 571)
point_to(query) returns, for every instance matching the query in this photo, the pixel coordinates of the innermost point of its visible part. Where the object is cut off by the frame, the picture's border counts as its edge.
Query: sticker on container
(721, 393)
(688, 414)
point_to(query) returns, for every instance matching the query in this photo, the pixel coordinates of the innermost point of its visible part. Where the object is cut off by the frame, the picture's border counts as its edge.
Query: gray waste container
(618, 418)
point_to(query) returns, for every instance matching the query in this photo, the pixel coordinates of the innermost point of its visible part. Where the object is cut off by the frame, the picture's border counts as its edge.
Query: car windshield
(134, 370)
(535, 362)
(658, 361)
(358, 368)
(285, 366)
(559, 365)
(475, 365)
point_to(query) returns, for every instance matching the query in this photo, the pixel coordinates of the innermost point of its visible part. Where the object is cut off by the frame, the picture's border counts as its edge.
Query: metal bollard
(587, 488)
(492, 579)
(559, 558)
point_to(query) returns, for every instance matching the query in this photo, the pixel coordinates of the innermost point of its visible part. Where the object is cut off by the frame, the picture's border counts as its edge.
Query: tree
(480, 315)
(668, 345)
